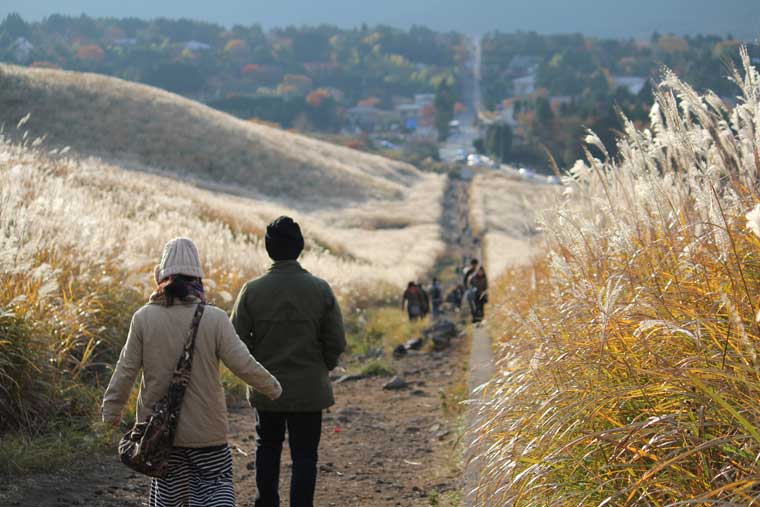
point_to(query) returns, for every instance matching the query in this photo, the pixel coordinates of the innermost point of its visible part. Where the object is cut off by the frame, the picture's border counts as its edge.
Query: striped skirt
(197, 478)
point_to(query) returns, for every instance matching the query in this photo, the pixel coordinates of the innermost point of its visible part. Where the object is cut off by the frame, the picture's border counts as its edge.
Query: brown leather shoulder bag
(146, 448)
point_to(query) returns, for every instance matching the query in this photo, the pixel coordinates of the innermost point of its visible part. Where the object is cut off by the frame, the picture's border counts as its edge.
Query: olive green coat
(292, 323)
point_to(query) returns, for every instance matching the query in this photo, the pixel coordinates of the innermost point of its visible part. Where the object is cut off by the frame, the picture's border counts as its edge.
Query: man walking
(470, 290)
(292, 324)
(436, 298)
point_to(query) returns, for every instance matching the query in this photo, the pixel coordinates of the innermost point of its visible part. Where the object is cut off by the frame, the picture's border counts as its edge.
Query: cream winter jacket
(156, 338)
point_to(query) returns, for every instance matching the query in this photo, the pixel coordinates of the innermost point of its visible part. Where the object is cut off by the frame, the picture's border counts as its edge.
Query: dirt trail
(379, 447)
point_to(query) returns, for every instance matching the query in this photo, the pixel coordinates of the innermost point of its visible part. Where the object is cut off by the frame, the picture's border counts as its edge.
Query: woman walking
(200, 467)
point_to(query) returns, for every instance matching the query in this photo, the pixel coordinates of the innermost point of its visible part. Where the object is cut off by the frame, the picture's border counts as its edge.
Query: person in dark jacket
(469, 272)
(425, 299)
(470, 291)
(291, 321)
(436, 298)
(412, 301)
(479, 283)
(455, 297)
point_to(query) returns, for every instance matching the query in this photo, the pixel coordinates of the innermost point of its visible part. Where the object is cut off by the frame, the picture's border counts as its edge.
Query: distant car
(388, 145)
(460, 156)
(553, 180)
(474, 160)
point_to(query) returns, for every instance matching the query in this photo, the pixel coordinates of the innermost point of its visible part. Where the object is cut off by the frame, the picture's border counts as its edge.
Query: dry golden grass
(504, 214)
(79, 235)
(628, 370)
(146, 128)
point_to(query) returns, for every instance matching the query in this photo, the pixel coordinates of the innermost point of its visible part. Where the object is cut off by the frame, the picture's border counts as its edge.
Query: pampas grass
(628, 371)
(79, 238)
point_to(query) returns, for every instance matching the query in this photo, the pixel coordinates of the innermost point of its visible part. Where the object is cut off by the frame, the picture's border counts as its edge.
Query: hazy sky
(615, 18)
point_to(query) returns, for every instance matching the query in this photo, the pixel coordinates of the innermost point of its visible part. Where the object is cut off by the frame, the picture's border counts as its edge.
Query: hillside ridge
(143, 126)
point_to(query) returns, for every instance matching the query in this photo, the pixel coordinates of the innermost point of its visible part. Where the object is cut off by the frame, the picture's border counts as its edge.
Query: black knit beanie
(284, 241)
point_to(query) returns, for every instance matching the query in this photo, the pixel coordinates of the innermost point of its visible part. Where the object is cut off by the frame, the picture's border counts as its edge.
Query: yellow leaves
(673, 44)
(235, 46)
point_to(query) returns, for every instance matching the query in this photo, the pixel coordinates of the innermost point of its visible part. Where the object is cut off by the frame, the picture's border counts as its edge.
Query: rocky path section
(380, 447)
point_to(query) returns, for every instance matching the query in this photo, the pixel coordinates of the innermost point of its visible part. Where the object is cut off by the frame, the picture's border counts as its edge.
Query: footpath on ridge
(380, 447)
(462, 244)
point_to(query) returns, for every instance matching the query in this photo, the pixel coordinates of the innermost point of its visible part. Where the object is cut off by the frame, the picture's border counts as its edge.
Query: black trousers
(304, 431)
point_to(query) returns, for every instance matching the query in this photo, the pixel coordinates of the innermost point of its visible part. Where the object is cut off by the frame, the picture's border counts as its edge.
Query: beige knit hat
(180, 257)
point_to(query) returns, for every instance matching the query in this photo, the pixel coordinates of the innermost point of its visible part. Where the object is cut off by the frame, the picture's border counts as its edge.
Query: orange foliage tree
(317, 97)
(235, 46)
(369, 102)
(90, 52)
(251, 68)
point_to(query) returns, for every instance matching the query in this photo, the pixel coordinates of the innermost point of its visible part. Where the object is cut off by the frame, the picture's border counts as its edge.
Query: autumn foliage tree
(235, 46)
(91, 53)
(317, 97)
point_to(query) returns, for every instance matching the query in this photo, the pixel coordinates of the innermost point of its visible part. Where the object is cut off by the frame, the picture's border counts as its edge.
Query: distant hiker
(200, 467)
(479, 283)
(470, 291)
(454, 298)
(436, 298)
(474, 264)
(425, 300)
(412, 301)
(292, 322)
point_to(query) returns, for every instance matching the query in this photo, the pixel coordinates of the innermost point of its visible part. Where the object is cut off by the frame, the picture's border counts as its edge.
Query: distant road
(471, 98)
(471, 119)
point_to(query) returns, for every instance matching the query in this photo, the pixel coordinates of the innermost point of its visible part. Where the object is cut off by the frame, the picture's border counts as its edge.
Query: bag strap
(185, 363)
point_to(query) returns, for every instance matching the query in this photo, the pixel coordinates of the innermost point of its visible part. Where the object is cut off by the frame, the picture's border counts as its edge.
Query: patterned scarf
(194, 288)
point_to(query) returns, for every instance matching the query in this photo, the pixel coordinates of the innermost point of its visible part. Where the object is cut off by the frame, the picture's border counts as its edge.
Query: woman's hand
(277, 391)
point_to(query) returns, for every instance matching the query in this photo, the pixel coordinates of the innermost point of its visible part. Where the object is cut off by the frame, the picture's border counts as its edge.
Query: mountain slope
(144, 127)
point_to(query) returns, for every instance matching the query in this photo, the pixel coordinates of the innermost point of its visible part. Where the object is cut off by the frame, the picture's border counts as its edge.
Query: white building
(524, 85)
(422, 99)
(633, 84)
(22, 50)
(194, 45)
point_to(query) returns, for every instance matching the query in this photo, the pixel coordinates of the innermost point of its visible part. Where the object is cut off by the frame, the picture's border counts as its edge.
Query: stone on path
(395, 383)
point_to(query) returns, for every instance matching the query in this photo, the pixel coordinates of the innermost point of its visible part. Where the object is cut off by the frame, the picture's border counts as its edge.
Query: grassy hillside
(80, 235)
(78, 242)
(140, 126)
(628, 370)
